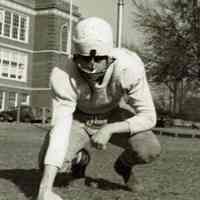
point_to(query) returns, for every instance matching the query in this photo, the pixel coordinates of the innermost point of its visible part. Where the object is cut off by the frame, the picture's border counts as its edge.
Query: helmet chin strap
(108, 74)
(106, 78)
(100, 94)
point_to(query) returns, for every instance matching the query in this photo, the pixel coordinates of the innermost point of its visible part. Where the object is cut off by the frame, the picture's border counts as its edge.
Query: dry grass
(174, 176)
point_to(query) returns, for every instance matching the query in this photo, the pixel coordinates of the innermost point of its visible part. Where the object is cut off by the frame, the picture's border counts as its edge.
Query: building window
(13, 64)
(64, 35)
(2, 100)
(23, 29)
(12, 99)
(14, 25)
(24, 99)
(15, 29)
(7, 24)
(1, 21)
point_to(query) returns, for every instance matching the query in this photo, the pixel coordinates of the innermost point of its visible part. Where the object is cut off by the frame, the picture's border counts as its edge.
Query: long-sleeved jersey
(125, 76)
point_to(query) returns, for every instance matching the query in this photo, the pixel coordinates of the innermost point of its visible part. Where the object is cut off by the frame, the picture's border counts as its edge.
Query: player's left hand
(101, 138)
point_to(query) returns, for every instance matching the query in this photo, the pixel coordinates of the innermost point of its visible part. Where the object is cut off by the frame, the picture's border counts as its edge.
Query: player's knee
(150, 153)
(146, 146)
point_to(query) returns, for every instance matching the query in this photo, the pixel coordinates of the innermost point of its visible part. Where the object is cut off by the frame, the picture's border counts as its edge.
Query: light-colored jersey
(125, 76)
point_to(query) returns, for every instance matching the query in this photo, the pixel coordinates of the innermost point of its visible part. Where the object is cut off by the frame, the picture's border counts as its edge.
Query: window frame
(13, 56)
(19, 28)
(2, 105)
(27, 102)
(1, 13)
(15, 100)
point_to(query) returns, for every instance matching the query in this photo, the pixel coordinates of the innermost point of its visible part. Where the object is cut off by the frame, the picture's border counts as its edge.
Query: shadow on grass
(105, 184)
(64, 180)
(27, 180)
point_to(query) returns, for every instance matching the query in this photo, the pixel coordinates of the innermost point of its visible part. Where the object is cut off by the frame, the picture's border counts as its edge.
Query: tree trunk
(178, 97)
(181, 96)
(174, 98)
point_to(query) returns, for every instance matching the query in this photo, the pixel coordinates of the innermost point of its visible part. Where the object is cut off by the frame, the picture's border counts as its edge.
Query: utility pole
(120, 7)
(196, 26)
(69, 38)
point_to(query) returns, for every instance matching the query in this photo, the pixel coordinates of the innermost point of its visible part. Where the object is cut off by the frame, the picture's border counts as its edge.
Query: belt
(92, 120)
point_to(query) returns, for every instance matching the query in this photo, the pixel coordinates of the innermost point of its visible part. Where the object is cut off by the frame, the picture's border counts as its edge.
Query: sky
(107, 9)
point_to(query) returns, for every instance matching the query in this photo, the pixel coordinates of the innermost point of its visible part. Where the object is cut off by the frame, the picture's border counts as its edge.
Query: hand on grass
(48, 196)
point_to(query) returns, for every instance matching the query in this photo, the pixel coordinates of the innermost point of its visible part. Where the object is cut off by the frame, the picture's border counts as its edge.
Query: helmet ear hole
(93, 53)
(75, 56)
(110, 60)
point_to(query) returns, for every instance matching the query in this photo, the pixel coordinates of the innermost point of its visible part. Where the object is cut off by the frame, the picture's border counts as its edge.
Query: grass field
(174, 176)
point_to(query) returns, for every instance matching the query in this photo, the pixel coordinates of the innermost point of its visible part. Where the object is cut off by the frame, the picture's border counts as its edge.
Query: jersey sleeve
(139, 97)
(63, 94)
(63, 106)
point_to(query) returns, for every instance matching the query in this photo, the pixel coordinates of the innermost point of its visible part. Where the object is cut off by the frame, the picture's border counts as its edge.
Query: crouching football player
(86, 96)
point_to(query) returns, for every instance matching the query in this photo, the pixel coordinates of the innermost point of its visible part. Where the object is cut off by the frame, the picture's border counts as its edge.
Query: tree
(172, 32)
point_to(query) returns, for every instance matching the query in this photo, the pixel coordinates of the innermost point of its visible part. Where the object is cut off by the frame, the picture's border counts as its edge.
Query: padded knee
(145, 147)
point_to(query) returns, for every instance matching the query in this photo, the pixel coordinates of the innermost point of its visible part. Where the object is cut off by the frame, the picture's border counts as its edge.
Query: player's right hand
(101, 138)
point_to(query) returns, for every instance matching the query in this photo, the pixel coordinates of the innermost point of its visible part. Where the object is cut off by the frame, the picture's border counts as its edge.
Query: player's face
(92, 64)
(92, 67)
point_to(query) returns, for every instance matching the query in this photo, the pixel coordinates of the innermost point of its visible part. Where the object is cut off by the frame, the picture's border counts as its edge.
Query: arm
(139, 97)
(64, 103)
(59, 134)
(134, 83)
(101, 138)
(59, 139)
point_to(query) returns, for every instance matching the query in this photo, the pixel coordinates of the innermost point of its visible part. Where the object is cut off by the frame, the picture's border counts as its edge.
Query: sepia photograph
(99, 100)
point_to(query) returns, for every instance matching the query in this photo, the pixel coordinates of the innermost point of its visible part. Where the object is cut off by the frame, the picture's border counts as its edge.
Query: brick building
(33, 39)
